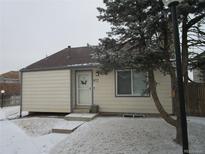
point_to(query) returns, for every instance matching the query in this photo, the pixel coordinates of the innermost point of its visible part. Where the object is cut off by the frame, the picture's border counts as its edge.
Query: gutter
(84, 65)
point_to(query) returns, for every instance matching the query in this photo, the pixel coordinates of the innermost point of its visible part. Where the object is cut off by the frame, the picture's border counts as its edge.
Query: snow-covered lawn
(118, 135)
(36, 126)
(26, 136)
(10, 112)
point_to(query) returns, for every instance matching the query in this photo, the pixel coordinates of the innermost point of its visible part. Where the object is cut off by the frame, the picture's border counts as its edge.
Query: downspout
(71, 90)
(92, 87)
(21, 90)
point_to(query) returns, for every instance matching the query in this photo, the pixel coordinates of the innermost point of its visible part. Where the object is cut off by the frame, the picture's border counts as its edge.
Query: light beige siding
(46, 91)
(104, 96)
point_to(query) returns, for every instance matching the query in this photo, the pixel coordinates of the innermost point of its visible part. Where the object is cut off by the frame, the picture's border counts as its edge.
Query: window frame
(128, 95)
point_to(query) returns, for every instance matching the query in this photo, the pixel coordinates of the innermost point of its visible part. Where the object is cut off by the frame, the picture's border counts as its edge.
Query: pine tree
(140, 38)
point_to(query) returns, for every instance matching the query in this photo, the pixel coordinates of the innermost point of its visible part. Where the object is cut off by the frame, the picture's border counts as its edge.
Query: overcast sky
(32, 29)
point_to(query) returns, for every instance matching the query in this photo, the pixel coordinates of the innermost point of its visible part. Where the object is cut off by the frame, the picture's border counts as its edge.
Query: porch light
(2, 97)
(2, 91)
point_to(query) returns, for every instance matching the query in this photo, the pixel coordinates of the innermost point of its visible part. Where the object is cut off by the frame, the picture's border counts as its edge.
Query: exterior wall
(49, 91)
(104, 96)
(46, 91)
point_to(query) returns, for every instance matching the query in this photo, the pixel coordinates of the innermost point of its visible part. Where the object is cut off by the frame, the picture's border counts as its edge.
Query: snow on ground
(197, 120)
(196, 130)
(36, 126)
(47, 142)
(102, 135)
(130, 136)
(11, 112)
(15, 140)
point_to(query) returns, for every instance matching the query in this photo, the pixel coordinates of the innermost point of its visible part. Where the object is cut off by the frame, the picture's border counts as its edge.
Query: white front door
(84, 87)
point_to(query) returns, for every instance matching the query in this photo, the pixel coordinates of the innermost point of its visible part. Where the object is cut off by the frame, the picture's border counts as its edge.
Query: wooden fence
(10, 101)
(196, 99)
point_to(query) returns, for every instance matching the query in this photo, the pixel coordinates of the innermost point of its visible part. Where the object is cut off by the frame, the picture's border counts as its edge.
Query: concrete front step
(80, 116)
(81, 110)
(67, 128)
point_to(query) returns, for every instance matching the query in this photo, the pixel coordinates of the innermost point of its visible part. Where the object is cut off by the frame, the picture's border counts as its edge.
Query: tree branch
(195, 20)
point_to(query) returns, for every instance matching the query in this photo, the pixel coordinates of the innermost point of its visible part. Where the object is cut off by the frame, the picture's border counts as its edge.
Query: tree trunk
(153, 90)
(163, 113)
(171, 69)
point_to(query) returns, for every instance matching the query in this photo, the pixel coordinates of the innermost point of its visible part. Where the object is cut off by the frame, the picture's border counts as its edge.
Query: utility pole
(183, 121)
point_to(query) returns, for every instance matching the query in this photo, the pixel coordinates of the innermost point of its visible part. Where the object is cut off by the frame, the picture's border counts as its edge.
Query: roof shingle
(63, 58)
(10, 75)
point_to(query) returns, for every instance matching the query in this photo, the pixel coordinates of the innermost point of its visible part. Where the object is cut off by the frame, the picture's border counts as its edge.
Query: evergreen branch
(195, 20)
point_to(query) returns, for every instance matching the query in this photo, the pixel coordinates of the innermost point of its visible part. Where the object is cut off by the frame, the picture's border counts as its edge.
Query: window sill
(131, 96)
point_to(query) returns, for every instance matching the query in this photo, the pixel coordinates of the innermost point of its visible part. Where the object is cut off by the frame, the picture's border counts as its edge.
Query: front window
(131, 83)
(123, 82)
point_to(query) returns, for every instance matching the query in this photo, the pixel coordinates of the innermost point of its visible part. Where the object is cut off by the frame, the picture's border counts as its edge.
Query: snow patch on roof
(84, 64)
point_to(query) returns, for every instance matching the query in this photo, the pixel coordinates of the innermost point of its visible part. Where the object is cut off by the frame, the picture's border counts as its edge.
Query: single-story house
(70, 79)
(10, 77)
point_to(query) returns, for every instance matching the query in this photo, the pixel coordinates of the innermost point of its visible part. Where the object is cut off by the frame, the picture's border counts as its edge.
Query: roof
(68, 57)
(10, 75)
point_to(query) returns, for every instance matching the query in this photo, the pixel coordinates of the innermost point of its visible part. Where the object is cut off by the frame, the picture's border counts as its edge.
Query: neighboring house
(10, 77)
(199, 71)
(10, 82)
(69, 79)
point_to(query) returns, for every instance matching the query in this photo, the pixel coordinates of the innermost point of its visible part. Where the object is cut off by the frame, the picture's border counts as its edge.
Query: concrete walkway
(75, 121)
(67, 128)
(80, 116)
